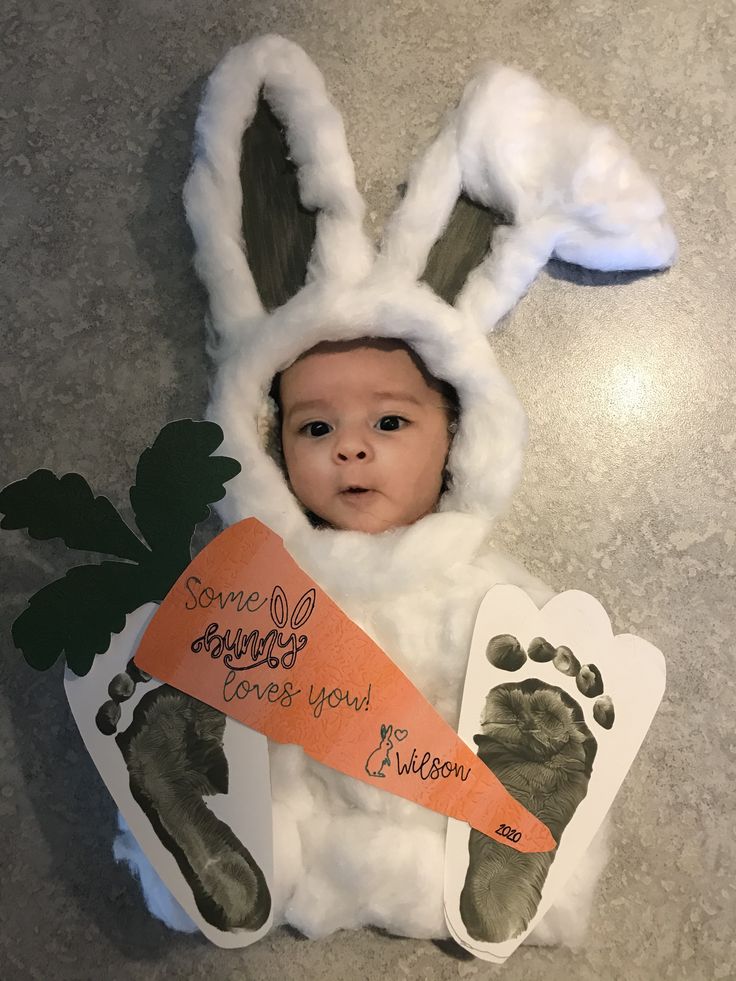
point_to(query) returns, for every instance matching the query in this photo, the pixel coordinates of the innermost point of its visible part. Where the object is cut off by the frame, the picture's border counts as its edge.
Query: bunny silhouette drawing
(381, 755)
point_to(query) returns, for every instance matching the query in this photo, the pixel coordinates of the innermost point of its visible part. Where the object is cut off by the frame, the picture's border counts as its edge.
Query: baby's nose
(350, 447)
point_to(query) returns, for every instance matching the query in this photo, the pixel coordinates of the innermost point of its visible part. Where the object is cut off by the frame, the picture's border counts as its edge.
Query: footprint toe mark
(505, 652)
(121, 687)
(565, 661)
(136, 673)
(541, 650)
(603, 711)
(107, 718)
(589, 681)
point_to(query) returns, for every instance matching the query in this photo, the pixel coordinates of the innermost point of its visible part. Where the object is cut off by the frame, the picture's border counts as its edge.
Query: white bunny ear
(295, 91)
(570, 185)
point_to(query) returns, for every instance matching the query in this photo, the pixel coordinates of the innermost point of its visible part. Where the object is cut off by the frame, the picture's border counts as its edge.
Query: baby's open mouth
(355, 490)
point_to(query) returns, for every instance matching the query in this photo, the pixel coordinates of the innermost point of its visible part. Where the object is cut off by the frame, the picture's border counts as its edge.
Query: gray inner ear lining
(461, 247)
(278, 231)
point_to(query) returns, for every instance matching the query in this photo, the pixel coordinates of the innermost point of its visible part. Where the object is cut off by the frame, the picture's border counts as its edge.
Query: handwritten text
(431, 767)
(335, 698)
(237, 687)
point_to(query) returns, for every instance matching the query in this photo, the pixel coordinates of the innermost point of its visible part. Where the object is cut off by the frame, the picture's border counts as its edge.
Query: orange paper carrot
(245, 630)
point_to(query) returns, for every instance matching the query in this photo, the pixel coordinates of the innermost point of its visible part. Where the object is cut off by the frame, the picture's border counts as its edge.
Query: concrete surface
(628, 381)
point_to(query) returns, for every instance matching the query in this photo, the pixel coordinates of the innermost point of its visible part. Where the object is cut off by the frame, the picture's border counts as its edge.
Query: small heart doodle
(400, 734)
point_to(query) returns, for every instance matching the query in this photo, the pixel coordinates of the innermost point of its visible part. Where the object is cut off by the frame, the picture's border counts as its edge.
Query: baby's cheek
(432, 478)
(297, 472)
(311, 485)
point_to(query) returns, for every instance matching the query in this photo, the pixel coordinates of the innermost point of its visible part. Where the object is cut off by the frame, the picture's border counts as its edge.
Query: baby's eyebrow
(307, 406)
(397, 397)
(311, 405)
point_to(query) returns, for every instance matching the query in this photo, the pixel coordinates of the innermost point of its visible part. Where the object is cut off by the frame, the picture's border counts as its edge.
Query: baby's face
(365, 438)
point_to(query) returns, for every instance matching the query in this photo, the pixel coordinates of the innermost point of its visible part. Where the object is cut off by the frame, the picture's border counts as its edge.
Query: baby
(365, 434)
(382, 490)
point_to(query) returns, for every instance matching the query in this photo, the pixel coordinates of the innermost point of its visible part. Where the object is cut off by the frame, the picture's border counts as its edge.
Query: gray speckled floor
(628, 381)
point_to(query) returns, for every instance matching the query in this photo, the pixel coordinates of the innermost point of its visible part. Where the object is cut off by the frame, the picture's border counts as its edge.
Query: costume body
(347, 854)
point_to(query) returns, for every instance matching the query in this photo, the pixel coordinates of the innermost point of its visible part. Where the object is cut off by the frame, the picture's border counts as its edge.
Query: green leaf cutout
(175, 481)
(65, 507)
(78, 614)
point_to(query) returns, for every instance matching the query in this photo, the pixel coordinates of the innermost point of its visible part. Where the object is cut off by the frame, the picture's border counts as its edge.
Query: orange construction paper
(245, 630)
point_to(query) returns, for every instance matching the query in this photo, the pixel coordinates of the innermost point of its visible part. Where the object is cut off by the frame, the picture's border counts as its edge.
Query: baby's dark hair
(444, 389)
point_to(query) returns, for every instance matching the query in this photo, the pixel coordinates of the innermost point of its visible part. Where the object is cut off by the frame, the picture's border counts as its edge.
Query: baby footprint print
(535, 740)
(173, 750)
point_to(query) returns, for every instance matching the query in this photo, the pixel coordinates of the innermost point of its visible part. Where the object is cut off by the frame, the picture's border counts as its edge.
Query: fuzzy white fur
(348, 854)
(570, 185)
(213, 198)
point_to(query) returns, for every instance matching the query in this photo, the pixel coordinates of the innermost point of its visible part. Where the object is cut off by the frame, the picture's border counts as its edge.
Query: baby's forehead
(363, 354)
(361, 371)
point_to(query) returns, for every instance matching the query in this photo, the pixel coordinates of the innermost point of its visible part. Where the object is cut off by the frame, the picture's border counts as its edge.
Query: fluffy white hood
(570, 185)
(486, 454)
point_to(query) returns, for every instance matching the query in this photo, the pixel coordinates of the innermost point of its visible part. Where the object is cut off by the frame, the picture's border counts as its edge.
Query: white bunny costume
(347, 854)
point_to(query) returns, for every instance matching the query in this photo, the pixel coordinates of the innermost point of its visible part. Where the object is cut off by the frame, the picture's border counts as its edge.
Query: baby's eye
(389, 424)
(316, 429)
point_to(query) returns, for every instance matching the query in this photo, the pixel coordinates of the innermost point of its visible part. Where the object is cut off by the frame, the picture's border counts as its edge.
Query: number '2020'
(506, 832)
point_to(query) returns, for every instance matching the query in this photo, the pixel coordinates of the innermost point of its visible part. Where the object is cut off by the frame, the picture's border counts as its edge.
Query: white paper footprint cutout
(558, 707)
(192, 785)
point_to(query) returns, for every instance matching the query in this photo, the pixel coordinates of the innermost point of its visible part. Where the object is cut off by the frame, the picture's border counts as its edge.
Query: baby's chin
(371, 517)
(368, 525)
